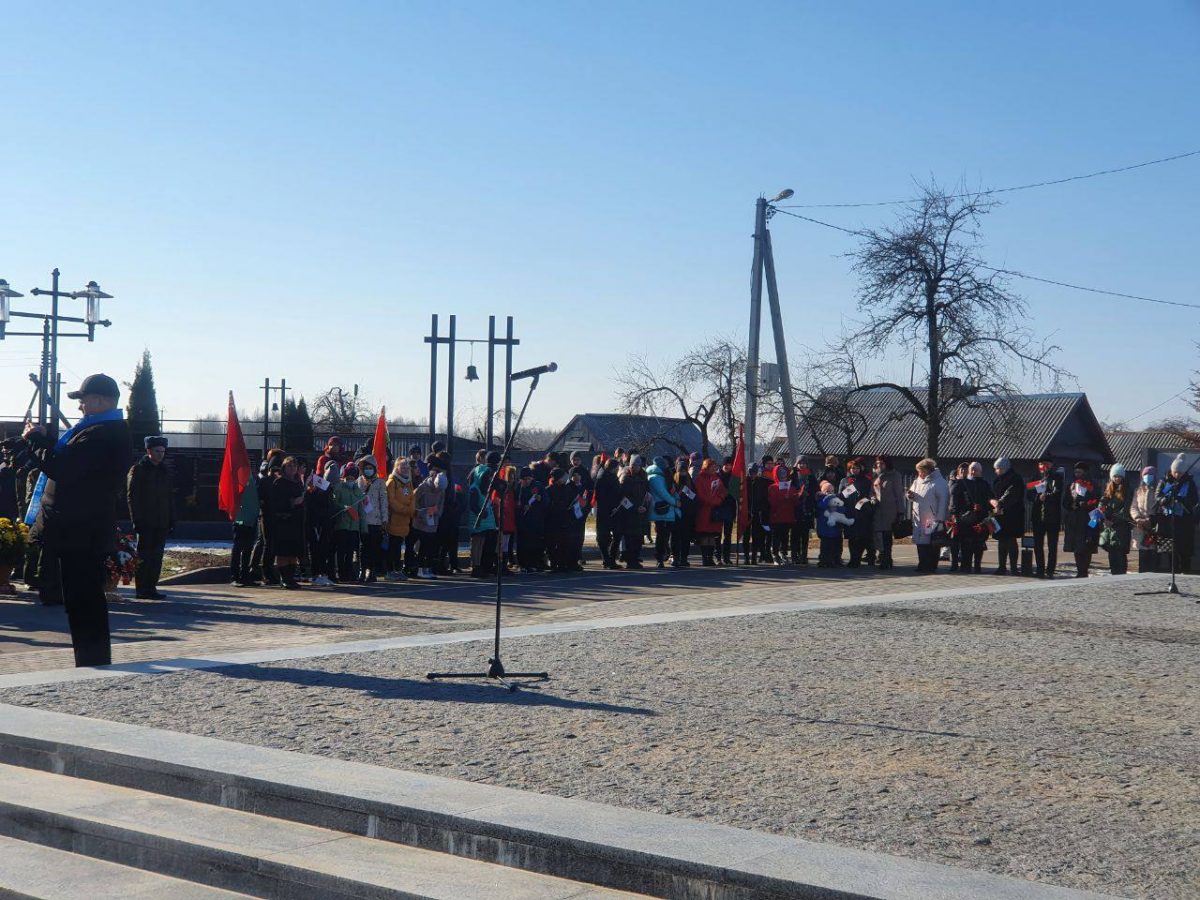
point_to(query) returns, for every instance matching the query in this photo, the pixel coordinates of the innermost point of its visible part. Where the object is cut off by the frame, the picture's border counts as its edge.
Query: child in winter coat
(829, 532)
(374, 515)
(402, 504)
(348, 526)
(781, 506)
(531, 524)
(429, 502)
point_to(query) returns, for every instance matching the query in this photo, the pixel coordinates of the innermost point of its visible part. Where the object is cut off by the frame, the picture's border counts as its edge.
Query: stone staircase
(97, 810)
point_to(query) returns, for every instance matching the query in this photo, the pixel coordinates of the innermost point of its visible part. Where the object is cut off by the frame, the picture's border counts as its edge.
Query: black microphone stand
(495, 670)
(1173, 587)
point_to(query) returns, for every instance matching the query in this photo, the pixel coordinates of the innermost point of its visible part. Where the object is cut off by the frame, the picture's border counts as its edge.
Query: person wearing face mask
(1117, 530)
(375, 515)
(970, 505)
(1009, 510)
(1142, 510)
(1080, 503)
(1045, 496)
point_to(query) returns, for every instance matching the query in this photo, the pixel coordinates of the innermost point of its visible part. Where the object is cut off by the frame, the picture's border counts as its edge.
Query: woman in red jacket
(710, 492)
(781, 512)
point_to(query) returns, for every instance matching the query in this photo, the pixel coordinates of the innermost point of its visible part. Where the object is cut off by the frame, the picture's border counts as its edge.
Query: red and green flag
(737, 482)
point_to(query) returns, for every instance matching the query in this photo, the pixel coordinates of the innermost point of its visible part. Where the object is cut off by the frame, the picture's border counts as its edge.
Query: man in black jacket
(75, 508)
(1009, 508)
(1045, 518)
(152, 511)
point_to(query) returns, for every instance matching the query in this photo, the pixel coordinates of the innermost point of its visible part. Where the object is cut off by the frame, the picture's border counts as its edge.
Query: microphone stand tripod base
(495, 672)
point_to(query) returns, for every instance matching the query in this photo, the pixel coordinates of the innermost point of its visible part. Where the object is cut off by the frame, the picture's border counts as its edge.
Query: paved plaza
(1039, 730)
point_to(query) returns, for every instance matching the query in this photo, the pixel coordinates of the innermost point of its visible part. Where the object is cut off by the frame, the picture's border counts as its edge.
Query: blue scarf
(35, 503)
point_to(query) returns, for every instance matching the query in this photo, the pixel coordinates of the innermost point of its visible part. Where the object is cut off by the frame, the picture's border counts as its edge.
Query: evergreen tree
(299, 432)
(142, 411)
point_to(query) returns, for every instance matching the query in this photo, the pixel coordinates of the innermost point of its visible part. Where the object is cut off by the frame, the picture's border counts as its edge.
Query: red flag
(235, 469)
(380, 444)
(743, 489)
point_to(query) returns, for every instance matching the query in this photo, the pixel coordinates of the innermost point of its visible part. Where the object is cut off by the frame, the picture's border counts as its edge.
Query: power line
(1158, 406)
(1014, 272)
(1003, 190)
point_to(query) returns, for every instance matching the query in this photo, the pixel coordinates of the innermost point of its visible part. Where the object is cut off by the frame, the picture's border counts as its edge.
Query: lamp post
(47, 379)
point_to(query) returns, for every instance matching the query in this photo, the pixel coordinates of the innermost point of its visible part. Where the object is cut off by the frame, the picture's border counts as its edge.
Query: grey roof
(1060, 425)
(1130, 448)
(654, 435)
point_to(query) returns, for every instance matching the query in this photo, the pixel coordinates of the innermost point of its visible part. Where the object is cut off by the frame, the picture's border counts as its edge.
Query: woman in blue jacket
(664, 511)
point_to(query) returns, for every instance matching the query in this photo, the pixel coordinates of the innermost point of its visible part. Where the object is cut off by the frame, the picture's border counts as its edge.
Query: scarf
(35, 502)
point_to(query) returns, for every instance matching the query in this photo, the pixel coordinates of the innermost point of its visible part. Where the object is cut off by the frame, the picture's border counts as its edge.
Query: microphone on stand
(534, 372)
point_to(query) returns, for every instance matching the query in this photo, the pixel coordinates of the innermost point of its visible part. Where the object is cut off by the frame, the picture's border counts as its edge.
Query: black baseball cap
(97, 384)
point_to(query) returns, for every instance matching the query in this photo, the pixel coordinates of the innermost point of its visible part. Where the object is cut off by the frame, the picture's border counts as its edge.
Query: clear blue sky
(290, 189)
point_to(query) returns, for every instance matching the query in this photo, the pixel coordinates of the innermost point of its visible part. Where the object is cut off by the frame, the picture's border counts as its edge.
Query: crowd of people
(342, 520)
(348, 518)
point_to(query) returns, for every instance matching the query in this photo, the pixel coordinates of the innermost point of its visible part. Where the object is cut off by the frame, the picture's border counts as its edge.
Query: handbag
(902, 528)
(1108, 538)
(937, 537)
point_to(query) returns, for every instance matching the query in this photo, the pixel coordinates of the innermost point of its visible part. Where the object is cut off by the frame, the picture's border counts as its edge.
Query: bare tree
(706, 387)
(923, 281)
(338, 409)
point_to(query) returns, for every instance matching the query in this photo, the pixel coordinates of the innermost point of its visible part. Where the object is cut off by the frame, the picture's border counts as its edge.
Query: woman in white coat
(930, 496)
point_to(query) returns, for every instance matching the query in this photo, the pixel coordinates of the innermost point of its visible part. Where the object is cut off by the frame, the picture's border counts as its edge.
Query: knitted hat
(156, 440)
(1003, 464)
(1177, 465)
(331, 466)
(350, 471)
(636, 460)
(1116, 471)
(1151, 471)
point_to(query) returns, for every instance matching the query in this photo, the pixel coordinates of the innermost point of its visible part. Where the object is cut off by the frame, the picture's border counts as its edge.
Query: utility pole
(756, 280)
(764, 264)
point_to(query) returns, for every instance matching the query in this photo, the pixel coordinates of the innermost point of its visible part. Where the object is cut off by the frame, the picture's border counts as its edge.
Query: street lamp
(47, 378)
(94, 295)
(6, 293)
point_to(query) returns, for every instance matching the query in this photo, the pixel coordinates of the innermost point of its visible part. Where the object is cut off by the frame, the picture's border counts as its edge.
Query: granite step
(252, 854)
(37, 871)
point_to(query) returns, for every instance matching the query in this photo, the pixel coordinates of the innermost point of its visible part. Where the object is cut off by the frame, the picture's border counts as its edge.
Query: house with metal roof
(1153, 447)
(648, 435)
(1025, 428)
